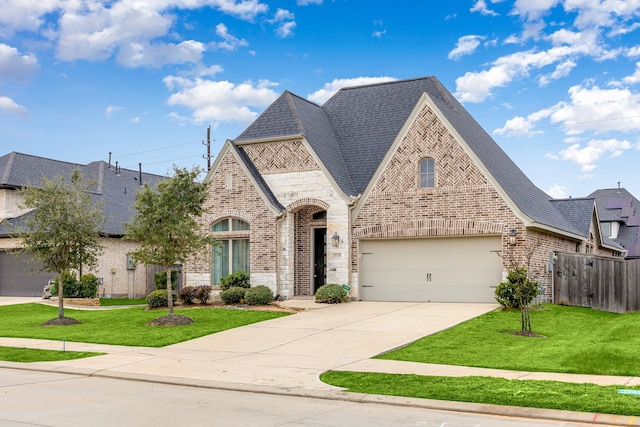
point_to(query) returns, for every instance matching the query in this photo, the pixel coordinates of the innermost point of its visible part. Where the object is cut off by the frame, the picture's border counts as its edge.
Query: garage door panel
(458, 269)
(18, 277)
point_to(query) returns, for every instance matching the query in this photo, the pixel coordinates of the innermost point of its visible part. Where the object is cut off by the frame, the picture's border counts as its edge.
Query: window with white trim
(427, 173)
(232, 255)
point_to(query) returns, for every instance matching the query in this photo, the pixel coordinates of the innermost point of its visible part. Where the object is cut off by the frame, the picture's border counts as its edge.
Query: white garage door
(452, 269)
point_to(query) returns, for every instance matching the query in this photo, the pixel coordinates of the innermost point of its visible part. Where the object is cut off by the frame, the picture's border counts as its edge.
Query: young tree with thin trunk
(63, 230)
(166, 222)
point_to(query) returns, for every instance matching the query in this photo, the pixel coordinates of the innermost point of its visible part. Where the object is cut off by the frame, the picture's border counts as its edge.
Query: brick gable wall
(232, 194)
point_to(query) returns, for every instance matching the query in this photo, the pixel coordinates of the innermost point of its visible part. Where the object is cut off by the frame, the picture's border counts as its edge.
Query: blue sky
(555, 82)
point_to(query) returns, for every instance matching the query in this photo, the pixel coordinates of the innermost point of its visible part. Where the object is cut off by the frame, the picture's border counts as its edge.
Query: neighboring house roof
(618, 205)
(115, 189)
(354, 130)
(579, 212)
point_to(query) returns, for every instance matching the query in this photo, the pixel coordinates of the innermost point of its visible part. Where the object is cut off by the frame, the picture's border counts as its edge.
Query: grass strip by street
(577, 340)
(109, 302)
(125, 326)
(495, 391)
(27, 355)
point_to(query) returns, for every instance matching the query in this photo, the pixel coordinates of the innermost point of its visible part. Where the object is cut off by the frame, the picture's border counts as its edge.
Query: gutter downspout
(351, 205)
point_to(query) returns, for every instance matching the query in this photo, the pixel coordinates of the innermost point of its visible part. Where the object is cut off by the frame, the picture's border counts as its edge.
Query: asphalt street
(62, 400)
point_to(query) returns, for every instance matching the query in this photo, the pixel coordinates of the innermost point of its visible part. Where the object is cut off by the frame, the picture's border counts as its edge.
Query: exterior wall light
(513, 237)
(335, 240)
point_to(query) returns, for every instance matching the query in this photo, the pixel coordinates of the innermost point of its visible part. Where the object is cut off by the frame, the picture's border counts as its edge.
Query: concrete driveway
(288, 352)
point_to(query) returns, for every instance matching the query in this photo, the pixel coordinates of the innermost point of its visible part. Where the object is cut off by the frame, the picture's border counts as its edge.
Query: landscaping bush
(157, 298)
(187, 295)
(239, 279)
(160, 279)
(258, 295)
(203, 293)
(233, 295)
(331, 294)
(88, 286)
(518, 288)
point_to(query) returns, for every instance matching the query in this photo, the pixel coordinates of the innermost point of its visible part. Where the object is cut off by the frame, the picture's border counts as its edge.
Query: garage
(451, 269)
(19, 278)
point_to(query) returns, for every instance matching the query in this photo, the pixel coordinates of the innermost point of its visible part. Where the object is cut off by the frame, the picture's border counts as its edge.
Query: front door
(319, 258)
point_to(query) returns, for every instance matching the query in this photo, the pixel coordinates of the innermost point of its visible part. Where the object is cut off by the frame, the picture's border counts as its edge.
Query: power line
(156, 149)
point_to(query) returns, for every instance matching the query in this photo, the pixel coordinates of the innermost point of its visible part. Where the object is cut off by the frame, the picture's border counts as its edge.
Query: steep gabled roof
(262, 185)
(618, 205)
(115, 189)
(578, 212)
(354, 130)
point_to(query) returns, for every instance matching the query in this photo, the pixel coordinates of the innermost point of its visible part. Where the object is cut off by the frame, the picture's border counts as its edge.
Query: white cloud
(562, 70)
(129, 29)
(327, 91)
(466, 46)
(588, 155)
(108, 112)
(481, 6)
(379, 33)
(25, 15)
(285, 24)
(533, 9)
(156, 55)
(211, 100)
(599, 110)
(601, 13)
(634, 51)
(518, 126)
(478, 86)
(308, 2)
(230, 42)
(135, 120)
(557, 191)
(14, 65)
(635, 77)
(9, 106)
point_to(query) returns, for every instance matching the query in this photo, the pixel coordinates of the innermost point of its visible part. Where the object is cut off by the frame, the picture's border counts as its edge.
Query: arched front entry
(310, 256)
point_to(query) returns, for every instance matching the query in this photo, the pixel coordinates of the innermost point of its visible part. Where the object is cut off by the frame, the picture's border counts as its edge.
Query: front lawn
(26, 355)
(125, 326)
(578, 340)
(496, 391)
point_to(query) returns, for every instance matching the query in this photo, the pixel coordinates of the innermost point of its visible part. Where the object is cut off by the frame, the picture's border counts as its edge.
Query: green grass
(578, 340)
(108, 302)
(125, 326)
(498, 391)
(26, 355)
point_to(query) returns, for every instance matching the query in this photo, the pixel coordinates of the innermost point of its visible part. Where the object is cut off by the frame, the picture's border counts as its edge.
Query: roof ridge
(294, 112)
(7, 170)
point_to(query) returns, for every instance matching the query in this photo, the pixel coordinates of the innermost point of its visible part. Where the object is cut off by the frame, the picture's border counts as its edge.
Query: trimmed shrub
(517, 290)
(70, 285)
(88, 286)
(203, 293)
(160, 279)
(187, 295)
(331, 294)
(258, 295)
(157, 298)
(239, 279)
(233, 295)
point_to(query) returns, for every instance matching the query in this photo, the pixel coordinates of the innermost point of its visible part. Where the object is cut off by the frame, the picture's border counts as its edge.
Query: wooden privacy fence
(604, 283)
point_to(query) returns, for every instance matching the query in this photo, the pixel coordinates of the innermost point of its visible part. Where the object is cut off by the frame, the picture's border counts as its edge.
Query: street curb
(339, 394)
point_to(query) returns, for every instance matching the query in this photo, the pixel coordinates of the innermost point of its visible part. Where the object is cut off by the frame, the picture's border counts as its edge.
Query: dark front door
(319, 258)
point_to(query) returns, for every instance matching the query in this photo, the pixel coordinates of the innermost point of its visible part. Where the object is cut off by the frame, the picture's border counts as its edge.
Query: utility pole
(208, 144)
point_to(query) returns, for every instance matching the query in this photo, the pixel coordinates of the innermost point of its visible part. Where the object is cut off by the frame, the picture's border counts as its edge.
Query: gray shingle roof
(617, 204)
(353, 131)
(117, 191)
(578, 212)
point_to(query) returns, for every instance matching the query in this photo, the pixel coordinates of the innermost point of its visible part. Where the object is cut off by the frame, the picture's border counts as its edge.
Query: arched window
(232, 255)
(427, 173)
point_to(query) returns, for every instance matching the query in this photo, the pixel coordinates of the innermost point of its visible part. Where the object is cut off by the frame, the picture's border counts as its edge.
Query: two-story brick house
(115, 188)
(391, 188)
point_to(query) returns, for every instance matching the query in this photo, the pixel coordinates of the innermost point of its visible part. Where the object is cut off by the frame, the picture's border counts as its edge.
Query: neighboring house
(393, 189)
(115, 188)
(619, 213)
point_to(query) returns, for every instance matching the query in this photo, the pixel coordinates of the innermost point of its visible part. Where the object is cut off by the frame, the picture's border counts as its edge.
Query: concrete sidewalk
(288, 354)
